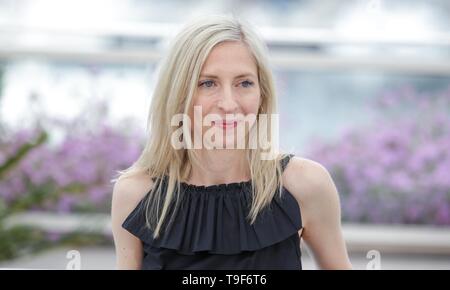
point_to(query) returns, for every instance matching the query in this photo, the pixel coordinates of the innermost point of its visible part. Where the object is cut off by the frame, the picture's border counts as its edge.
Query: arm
(127, 193)
(318, 198)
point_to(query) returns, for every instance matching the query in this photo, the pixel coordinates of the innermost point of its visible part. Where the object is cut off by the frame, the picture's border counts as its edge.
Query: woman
(215, 206)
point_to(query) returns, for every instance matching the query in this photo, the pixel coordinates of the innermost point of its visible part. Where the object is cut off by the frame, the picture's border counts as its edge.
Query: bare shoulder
(313, 188)
(128, 191)
(305, 176)
(310, 183)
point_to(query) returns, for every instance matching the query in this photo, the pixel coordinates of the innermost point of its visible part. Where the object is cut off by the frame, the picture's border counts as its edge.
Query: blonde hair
(177, 81)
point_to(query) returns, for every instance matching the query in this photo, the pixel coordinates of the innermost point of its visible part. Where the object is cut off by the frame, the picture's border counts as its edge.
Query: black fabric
(210, 231)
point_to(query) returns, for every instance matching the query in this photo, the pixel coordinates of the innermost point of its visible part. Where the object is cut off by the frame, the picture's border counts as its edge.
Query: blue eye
(208, 83)
(247, 84)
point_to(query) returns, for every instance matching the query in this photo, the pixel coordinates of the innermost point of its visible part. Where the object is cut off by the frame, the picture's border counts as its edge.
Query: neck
(219, 166)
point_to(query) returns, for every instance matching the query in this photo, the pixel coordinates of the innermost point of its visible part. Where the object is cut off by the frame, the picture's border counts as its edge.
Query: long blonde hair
(177, 81)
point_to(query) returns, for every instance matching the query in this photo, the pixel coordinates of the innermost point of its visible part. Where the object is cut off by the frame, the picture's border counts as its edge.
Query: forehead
(230, 57)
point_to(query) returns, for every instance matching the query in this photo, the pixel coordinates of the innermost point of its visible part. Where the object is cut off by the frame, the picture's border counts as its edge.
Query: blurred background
(363, 87)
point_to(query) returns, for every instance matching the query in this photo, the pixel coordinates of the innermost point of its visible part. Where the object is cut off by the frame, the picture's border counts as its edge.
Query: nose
(227, 102)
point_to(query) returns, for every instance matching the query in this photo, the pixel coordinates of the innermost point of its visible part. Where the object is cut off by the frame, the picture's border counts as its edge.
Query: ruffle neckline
(216, 222)
(223, 187)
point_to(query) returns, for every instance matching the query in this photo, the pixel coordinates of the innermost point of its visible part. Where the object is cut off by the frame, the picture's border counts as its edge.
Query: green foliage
(20, 240)
(21, 153)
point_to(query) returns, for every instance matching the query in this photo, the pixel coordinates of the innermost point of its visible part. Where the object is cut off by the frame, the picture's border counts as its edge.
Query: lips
(225, 124)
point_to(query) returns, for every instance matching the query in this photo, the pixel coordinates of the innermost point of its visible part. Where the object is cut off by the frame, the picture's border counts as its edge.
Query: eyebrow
(216, 77)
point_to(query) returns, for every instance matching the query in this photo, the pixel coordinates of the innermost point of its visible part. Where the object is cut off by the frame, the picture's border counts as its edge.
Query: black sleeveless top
(210, 231)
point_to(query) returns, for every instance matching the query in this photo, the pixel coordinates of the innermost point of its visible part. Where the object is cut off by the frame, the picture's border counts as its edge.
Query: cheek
(199, 101)
(251, 105)
(207, 104)
(204, 101)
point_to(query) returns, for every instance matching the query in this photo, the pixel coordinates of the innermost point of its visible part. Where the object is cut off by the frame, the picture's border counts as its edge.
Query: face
(227, 90)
